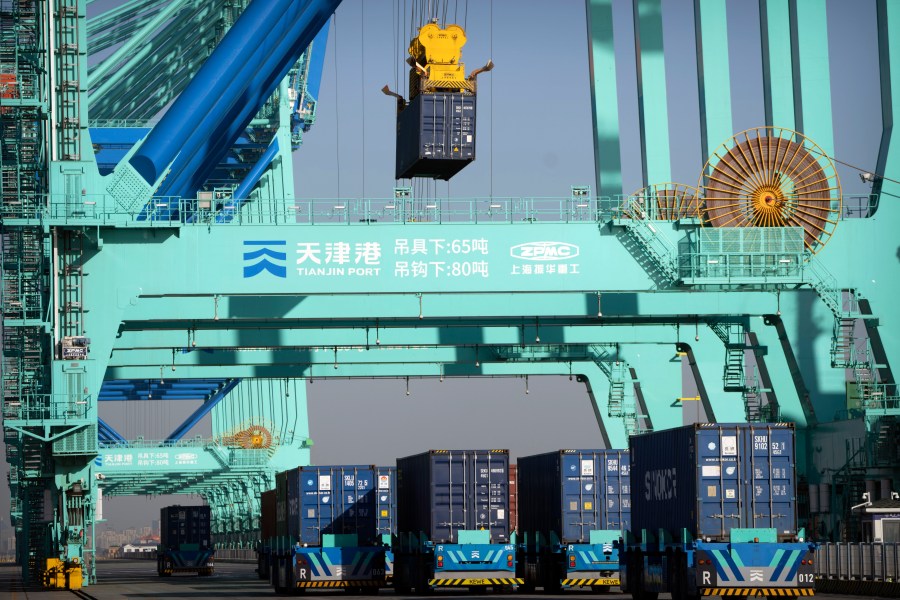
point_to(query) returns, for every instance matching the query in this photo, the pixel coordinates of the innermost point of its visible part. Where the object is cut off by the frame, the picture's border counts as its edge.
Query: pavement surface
(137, 579)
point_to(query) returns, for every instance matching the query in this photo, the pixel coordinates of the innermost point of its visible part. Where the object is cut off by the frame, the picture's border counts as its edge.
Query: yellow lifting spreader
(435, 56)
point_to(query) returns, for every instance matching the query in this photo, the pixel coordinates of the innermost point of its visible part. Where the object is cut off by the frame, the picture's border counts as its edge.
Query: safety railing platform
(864, 568)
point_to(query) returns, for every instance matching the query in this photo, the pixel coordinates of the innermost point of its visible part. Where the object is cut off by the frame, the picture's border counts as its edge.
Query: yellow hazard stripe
(454, 582)
(337, 584)
(581, 582)
(787, 592)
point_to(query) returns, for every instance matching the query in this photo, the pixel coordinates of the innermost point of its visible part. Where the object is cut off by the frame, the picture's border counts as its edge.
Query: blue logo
(257, 261)
(99, 460)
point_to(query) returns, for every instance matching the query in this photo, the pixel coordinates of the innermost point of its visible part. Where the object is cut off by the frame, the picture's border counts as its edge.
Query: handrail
(44, 407)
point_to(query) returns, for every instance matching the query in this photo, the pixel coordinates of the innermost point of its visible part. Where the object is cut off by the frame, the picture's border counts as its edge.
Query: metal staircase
(621, 401)
(739, 376)
(658, 248)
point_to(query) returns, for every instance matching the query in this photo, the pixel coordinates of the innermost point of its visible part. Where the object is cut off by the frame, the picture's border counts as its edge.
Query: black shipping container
(435, 135)
(443, 491)
(709, 478)
(267, 515)
(569, 493)
(185, 525)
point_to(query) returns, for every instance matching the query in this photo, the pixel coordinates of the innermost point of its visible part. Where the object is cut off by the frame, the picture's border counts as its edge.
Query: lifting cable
(337, 111)
(491, 91)
(362, 88)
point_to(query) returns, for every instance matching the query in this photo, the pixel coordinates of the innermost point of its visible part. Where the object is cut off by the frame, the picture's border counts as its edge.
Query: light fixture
(526, 385)
(377, 339)
(696, 331)
(537, 333)
(477, 362)
(599, 310)
(335, 357)
(442, 373)
(866, 177)
(420, 305)
(407, 385)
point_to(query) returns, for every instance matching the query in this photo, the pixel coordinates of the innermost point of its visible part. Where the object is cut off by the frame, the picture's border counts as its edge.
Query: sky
(534, 139)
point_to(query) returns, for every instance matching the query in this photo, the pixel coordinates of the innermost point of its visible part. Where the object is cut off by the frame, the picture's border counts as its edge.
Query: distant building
(137, 549)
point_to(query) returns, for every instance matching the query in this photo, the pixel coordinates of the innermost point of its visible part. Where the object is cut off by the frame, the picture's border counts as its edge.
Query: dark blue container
(443, 491)
(709, 478)
(435, 135)
(330, 500)
(564, 495)
(179, 525)
(385, 502)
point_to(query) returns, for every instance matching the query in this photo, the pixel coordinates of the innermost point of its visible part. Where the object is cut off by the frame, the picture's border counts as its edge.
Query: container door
(721, 489)
(489, 494)
(579, 473)
(317, 505)
(386, 514)
(616, 483)
(434, 110)
(770, 471)
(462, 127)
(450, 481)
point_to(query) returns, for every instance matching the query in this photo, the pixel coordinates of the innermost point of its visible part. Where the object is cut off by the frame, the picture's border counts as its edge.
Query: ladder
(657, 246)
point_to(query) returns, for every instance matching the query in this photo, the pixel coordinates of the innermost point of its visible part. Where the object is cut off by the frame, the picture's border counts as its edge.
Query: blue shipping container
(569, 493)
(709, 478)
(385, 503)
(441, 492)
(435, 135)
(332, 500)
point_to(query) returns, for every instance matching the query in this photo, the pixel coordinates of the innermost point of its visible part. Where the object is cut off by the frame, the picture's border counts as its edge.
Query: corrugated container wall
(281, 502)
(569, 493)
(435, 135)
(330, 500)
(386, 500)
(267, 515)
(443, 491)
(709, 478)
(513, 497)
(184, 525)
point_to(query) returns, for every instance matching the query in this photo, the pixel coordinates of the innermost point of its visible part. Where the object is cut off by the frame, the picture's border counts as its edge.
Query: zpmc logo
(257, 261)
(544, 251)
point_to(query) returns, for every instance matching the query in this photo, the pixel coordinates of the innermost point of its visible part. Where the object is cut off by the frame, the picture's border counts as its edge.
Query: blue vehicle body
(184, 560)
(348, 567)
(714, 513)
(424, 565)
(595, 565)
(326, 529)
(453, 527)
(693, 568)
